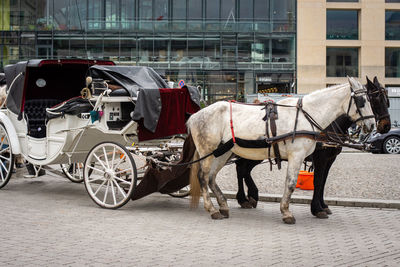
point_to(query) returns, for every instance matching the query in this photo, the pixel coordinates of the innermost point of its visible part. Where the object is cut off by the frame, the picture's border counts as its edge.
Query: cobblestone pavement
(352, 175)
(49, 221)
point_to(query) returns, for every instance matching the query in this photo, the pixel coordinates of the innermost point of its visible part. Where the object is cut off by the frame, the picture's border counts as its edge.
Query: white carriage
(123, 113)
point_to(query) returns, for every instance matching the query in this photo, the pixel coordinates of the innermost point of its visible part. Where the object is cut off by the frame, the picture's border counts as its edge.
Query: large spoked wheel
(392, 145)
(6, 157)
(110, 175)
(73, 171)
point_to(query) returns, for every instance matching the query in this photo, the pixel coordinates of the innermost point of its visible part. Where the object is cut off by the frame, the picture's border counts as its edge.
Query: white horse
(211, 127)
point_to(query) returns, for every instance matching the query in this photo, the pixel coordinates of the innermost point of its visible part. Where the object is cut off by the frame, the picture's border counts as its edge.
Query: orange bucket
(305, 180)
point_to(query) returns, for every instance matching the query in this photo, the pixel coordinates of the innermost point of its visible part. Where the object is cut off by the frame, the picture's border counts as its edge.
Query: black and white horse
(215, 125)
(323, 156)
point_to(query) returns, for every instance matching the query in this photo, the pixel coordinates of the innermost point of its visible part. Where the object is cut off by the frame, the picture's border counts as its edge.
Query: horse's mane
(333, 87)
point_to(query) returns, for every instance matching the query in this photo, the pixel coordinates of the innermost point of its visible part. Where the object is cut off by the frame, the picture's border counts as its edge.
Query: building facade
(347, 37)
(358, 38)
(229, 47)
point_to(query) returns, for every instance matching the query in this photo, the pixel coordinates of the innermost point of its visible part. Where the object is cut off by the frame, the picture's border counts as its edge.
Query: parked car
(388, 143)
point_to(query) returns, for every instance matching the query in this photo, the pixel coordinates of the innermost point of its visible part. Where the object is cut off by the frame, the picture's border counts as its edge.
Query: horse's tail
(194, 182)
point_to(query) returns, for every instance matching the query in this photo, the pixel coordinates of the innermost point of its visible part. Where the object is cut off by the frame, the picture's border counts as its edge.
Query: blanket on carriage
(168, 180)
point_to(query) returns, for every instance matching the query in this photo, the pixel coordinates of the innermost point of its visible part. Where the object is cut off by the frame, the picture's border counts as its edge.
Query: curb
(346, 202)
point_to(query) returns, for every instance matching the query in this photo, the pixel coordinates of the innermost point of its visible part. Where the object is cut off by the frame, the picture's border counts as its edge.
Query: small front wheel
(6, 157)
(110, 175)
(73, 171)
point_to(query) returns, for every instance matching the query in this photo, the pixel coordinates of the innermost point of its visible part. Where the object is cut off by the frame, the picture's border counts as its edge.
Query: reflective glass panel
(283, 15)
(112, 14)
(161, 15)
(392, 62)
(179, 15)
(282, 50)
(194, 15)
(341, 62)
(95, 14)
(212, 15)
(145, 15)
(392, 25)
(342, 24)
(127, 14)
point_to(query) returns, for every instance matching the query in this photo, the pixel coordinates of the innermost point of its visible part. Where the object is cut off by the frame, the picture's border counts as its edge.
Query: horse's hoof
(246, 205)
(321, 215)
(224, 213)
(253, 202)
(328, 211)
(289, 220)
(217, 216)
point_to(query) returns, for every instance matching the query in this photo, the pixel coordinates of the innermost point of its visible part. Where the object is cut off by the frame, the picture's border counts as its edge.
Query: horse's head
(379, 103)
(359, 109)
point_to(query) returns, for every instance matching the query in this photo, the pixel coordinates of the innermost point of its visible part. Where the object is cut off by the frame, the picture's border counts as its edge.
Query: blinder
(360, 101)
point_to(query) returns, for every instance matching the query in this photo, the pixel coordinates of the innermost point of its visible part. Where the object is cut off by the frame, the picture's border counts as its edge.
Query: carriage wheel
(73, 171)
(110, 175)
(6, 157)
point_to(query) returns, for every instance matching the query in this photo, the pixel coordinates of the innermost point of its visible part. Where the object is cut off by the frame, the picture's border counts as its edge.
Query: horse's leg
(294, 163)
(336, 152)
(218, 163)
(252, 188)
(320, 161)
(241, 170)
(204, 175)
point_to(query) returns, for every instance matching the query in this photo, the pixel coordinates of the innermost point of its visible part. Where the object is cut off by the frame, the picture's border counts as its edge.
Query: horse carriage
(96, 133)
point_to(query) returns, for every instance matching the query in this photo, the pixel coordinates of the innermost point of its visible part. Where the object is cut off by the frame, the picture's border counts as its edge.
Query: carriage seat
(35, 112)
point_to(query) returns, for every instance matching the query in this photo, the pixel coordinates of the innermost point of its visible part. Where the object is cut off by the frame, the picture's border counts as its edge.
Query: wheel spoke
(113, 193)
(119, 188)
(119, 162)
(96, 179)
(2, 157)
(105, 156)
(95, 169)
(106, 193)
(1, 171)
(122, 180)
(113, 157)
(123, 171)
(99, 160)
(98, 189)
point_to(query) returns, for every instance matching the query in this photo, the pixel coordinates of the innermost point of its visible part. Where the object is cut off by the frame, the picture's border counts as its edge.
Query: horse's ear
(351, 82)
(369, 83)
(376, 82)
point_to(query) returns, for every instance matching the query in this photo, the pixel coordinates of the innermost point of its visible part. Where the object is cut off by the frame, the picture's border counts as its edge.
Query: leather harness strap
(230, 112)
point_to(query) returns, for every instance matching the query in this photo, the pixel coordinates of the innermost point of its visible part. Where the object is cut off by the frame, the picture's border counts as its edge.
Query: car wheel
(391, 145)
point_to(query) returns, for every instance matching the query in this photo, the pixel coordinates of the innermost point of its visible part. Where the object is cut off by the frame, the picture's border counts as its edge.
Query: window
(341, 62)
(392, 1)
(342, 24)
(392, 25)
(392, 62)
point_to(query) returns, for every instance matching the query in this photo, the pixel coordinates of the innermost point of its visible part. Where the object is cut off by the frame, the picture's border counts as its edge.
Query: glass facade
(392, 25)
(342, 24)
(228, 47)
(392, 62)
(341, 62)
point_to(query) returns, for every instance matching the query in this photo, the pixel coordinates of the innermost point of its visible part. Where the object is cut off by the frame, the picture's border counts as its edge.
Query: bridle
(378, 94)
(359, 101)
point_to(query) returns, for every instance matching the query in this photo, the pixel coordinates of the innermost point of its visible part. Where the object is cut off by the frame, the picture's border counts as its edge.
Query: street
(49, 221)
